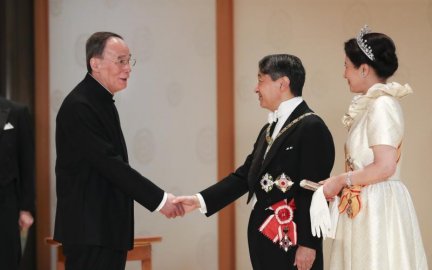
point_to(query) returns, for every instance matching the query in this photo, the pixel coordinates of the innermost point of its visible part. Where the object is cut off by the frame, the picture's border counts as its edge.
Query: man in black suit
(96, 186)
(295, 145)
(16, 180)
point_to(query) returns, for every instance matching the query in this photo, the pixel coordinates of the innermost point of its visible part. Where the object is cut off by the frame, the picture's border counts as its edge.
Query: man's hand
(25, 220)
(189, 203)
(171, 210)
(304, 258)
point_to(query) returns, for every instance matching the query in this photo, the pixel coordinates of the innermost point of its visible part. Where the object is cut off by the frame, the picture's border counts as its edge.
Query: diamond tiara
(362, 43)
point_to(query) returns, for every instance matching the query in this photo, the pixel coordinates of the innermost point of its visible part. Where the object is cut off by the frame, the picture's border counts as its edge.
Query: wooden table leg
(146, 265)
(60, 258)
(143, 254)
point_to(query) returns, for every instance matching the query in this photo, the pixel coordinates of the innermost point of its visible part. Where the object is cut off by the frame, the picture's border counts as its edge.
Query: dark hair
(95, 45)
(383, 49)
(279, 65)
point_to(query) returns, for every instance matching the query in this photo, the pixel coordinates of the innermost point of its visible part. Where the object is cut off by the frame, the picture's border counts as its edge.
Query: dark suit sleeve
(231, 187)
(317, 158)
(26, 160)
(227, 190)
(81, 124)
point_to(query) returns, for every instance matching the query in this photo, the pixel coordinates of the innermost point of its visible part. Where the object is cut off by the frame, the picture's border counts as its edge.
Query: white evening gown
(385, 233)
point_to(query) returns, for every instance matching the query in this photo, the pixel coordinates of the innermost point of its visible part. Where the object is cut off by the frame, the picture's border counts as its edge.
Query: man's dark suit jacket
(16, 176)
(304, 151)
(95, 184)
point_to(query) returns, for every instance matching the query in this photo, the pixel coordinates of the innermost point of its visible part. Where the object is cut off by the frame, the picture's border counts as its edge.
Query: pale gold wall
(315, 31)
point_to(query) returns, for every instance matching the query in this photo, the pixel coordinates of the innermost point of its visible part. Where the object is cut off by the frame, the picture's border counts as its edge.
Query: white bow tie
(273, 117)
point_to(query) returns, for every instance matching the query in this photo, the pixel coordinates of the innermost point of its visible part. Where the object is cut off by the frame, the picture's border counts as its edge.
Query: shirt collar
(285, 109)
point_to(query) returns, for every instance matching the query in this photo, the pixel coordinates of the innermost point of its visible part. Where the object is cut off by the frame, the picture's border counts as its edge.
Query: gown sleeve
(385, 122)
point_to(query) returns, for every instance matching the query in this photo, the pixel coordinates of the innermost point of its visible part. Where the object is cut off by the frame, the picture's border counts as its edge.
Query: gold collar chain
(293, 122)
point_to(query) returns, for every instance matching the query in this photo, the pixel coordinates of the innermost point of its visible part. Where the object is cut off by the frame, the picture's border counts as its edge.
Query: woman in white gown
(377, 227)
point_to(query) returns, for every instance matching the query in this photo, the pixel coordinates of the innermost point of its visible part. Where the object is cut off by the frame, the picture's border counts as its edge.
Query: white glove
(320, 214)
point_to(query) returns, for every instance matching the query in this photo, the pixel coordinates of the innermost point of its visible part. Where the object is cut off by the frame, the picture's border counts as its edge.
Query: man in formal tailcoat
(16, 179)
(96, 186)
(295, 144)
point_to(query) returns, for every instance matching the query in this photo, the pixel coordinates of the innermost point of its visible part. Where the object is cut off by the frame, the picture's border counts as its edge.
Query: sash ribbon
(280, 227)
(350, 201)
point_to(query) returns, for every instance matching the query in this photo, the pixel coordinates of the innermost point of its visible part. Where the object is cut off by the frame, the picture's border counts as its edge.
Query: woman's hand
(333, 186)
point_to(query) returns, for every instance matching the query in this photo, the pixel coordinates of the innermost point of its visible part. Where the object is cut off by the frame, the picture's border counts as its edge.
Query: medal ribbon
(281, 223)
(350, 201)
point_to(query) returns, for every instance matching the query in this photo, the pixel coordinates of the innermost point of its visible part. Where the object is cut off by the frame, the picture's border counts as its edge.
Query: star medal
(284, 183)
(285, 242)
(267, 182)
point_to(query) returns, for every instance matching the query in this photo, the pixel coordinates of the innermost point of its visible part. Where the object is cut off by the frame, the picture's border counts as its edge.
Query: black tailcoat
(304, 151)
(16, 177)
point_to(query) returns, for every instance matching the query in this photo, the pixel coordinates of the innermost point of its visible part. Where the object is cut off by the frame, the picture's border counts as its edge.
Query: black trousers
(10, 242)
(83, 257)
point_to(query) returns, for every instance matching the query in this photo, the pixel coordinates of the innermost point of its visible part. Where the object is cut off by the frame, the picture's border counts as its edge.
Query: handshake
(179, 206)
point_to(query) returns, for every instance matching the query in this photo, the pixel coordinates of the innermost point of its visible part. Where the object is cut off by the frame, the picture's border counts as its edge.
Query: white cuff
(162, 203)
(203, 208)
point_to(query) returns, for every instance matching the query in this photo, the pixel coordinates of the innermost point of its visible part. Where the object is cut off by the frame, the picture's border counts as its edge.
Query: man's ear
(285, 82)
(95, 64)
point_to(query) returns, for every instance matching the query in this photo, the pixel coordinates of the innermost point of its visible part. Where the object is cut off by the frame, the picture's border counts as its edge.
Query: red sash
(280, 227)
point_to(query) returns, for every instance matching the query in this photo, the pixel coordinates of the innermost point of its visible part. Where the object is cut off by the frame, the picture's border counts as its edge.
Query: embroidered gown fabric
(385, 234)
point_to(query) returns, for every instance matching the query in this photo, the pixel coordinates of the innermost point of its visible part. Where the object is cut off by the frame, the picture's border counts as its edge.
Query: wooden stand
(140, 252)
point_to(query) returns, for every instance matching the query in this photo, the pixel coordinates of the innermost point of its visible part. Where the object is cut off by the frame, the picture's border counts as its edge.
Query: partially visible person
(96, 186)
(295, 144)
(17, 194)
(377, 227)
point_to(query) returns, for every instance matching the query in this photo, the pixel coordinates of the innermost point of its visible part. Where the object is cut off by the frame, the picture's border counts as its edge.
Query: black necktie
(273, 125)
